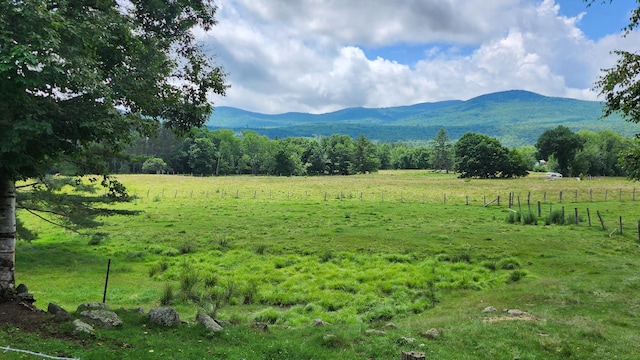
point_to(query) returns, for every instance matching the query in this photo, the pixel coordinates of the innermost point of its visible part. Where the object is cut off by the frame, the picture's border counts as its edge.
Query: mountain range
(515, 117)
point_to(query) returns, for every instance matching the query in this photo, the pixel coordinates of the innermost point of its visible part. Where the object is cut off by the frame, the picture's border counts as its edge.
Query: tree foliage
(441, 158)
(620, 87)
(81, 78)
(481, 156)
(563, 144)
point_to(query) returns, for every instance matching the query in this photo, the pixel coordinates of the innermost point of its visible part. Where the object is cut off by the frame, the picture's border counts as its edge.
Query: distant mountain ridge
(516, 117)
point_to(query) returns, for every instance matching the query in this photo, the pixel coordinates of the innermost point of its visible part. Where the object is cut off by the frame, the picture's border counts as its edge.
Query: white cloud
(307, 55)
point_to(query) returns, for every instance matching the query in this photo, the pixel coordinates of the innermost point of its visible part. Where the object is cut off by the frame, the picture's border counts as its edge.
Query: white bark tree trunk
(7, 236)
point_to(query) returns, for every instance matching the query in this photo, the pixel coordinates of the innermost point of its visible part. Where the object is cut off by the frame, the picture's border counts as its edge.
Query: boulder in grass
(58, 311)
(92, 306)
(208, 323)
(164, 316)
(104, 318)
(81, 327)
(432, 333)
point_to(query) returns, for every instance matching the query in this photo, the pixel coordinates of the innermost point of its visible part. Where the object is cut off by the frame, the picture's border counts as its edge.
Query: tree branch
(32, 212)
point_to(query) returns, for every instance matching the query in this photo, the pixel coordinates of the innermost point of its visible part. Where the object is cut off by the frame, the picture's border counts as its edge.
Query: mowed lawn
(422, 250)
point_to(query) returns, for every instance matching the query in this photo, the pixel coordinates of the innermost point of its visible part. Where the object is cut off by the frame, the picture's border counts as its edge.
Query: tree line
(225, 152)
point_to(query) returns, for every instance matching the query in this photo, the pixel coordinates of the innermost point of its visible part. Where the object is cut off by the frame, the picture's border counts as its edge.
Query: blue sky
(323, 55)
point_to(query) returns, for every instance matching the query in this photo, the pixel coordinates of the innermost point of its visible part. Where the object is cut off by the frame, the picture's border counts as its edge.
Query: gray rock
(375, 332)
(26, 297)
(208, 323)
(432, 333)
(516, 312)
(80, 326)
(104, 318)
(58, 311)
(390, 325)
(407, 340)
(489, 309)
(260, 326)
(164, 316)
(92, 306)
(21, 289)
(319, 322)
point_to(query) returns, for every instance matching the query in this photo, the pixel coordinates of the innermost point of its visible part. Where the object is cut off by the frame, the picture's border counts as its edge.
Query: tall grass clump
(513, 217)
(527, 218)
(555, 217)
(168, 296)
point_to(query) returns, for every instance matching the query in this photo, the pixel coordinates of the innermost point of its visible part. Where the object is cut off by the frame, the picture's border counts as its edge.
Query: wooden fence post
(601, 220)
(560, 196)
(576, 211)
(576, 200)
(539, 209)
(591, 195)
(606, 194)
(589, 216)
(620, 225)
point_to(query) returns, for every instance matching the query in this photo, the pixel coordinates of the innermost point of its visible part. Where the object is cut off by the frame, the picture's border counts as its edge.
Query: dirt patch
(26, 317)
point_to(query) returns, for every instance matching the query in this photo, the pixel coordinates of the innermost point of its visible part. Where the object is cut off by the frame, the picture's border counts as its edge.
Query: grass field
(415, 248)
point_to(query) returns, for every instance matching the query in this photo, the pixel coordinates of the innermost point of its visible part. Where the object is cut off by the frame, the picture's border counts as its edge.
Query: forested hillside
(514, 117)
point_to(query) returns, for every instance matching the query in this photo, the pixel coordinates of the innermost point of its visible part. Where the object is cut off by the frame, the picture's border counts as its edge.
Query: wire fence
(44, 356)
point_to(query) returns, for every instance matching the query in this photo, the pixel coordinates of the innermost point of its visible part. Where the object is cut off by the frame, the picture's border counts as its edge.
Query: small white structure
(553, 175)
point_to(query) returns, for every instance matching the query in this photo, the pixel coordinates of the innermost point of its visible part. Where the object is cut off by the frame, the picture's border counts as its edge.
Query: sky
(319, 56)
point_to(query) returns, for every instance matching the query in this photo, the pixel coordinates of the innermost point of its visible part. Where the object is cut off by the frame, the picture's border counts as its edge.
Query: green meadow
(422, 250)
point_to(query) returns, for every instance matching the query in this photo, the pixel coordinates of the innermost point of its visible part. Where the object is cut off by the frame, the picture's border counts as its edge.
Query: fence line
(36, 354)
(527, 198)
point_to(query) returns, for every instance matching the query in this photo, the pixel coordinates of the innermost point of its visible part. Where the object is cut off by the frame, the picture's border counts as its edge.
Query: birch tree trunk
(7, 237)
